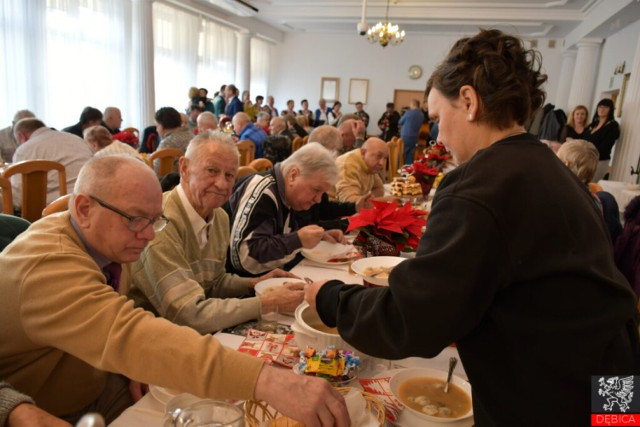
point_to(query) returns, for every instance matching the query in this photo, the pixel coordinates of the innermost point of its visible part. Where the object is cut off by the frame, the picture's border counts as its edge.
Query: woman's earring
(469, 117)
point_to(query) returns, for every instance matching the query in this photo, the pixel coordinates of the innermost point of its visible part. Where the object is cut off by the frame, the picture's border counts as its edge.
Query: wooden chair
(133, 131)
(247, 151)
(34, 184)
(395, 153)
(296, 144)
(305, 139)
(60, 204)
(7, 196)
(167, 158)
(261, 165)
(244, 171)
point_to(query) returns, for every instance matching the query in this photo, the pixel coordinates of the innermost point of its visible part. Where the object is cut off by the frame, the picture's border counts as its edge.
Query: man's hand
(364, 202)
(323, 405)
(287, 297)
(273, 273)
(334, 236)
(28, 415)
(311, 292)
(310, 235)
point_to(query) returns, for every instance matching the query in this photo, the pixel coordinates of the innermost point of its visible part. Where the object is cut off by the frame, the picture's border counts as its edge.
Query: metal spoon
(453, 361)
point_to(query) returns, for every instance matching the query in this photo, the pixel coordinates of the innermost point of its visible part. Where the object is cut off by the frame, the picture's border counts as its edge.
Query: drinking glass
(205, 413)
(268, 321)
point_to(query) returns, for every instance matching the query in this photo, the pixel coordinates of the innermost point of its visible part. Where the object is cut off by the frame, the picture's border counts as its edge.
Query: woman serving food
(515, 265)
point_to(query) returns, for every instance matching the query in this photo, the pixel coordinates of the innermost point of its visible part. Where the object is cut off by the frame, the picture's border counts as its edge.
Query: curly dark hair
(168, 117)
(506, 76)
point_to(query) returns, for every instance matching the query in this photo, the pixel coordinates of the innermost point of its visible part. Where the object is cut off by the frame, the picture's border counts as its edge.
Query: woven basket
(257, 412)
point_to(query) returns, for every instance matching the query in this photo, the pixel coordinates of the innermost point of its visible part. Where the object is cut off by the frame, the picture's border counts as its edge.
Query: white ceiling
(527, 18)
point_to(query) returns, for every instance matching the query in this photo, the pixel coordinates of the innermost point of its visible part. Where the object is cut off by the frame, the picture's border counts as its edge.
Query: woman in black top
(523, 278)
(604, 133)
(577, 127)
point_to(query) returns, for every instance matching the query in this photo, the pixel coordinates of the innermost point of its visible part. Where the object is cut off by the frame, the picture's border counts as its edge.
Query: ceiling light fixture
(385, 33)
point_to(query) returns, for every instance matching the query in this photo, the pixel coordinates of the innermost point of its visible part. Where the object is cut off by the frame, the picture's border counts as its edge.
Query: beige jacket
(354, 178)
(62, 327)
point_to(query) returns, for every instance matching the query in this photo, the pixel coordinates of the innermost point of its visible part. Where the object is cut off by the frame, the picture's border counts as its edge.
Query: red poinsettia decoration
(427, 167)
(401, 227)
(126, 137)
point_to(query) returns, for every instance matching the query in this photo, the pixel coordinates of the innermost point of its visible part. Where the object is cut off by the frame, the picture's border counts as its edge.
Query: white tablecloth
(623, 192)
(149, 412)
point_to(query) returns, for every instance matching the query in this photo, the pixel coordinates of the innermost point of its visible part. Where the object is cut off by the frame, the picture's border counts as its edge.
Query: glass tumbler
(206, 413)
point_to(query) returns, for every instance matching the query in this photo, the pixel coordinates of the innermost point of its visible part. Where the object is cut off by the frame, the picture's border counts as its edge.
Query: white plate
(361, 265)
(262, 286)
(405, 374)
(324, 251)
(407, 419)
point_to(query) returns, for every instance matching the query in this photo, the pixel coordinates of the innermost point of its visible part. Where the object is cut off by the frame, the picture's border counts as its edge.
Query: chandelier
(385, 33)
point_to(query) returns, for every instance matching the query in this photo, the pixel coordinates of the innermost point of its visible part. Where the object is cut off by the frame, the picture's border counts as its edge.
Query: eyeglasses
(137, 223)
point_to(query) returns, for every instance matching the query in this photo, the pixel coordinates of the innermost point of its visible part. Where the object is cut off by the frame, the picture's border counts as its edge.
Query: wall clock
(415, 72)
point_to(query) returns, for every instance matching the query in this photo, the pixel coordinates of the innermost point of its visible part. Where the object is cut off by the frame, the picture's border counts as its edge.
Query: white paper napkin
(357, 407)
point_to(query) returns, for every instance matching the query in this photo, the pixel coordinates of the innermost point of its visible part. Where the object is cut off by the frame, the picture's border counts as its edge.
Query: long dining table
(149, 411)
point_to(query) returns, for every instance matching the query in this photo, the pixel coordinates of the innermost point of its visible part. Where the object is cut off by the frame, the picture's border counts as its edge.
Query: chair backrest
(60, 204)
(394, 158)
(244, 171)
(305, 139)
(34, 184)
(7, 196)
(261, 165)
(247, 151)
(296, 144)
(167, 158)
(133, 131)
(10, 227)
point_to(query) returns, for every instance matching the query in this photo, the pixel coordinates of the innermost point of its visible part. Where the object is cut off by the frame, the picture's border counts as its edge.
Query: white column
(142, 72)
(584, 75)
(243, 60)
(566, 75)
(627, 149)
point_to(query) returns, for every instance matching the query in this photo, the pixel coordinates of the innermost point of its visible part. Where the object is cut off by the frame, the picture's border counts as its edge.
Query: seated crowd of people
(192, 254)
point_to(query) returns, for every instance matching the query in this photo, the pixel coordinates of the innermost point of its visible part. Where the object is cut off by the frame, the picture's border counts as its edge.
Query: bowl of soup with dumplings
(421, 391)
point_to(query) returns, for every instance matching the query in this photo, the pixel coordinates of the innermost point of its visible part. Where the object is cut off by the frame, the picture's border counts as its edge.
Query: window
(260, 54)
(190, 50)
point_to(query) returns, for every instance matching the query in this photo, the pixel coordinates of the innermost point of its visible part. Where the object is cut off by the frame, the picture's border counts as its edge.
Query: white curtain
(22, 43)
(260, 54)
(217, 56)
(189, 51)
(62, 55)
(86, 58)
(175, 35)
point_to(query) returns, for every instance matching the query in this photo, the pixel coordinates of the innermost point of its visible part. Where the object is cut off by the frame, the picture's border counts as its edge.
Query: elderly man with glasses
(69, 340)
